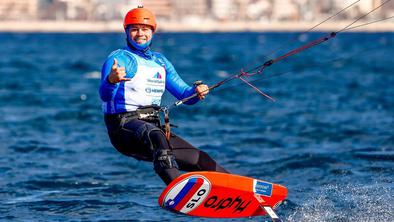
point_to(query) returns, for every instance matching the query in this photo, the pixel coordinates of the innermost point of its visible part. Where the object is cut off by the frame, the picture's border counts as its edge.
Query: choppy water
(329, 137)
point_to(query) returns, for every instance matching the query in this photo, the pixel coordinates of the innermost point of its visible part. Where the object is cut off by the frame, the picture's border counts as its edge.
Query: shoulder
(123, 56)
(122, 53)
(160, 59)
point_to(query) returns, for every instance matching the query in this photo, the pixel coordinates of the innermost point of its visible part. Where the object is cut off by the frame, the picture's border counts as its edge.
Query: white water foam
(348, 203)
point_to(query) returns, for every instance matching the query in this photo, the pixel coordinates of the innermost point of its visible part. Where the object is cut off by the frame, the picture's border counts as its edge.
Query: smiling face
(141, 34)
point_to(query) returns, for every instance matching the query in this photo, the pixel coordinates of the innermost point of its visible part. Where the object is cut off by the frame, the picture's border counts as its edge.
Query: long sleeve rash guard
(150, 75)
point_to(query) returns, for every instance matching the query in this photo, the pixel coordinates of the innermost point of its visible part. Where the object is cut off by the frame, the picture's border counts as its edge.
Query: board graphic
(221, 195)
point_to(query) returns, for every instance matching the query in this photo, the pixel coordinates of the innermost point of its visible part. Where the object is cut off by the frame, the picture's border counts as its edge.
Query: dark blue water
(329, 136)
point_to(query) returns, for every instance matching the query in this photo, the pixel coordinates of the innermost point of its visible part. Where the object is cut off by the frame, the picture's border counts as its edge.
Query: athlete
(133, 80)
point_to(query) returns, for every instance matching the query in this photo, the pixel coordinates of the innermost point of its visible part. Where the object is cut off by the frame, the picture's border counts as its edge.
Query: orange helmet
(140, 16)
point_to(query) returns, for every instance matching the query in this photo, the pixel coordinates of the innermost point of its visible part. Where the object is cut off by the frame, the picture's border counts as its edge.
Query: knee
(157, 140)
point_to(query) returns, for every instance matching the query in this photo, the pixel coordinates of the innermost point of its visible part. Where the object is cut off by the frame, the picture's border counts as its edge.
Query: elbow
(105, 97)
(188, 93)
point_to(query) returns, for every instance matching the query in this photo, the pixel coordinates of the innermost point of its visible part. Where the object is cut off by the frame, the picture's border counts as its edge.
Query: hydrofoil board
(221, 195)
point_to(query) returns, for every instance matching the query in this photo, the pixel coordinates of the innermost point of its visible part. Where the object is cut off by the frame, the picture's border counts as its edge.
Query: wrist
(197, 83)
(109, 80)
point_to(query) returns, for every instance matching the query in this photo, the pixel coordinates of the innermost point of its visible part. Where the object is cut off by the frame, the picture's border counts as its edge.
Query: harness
(150, 114)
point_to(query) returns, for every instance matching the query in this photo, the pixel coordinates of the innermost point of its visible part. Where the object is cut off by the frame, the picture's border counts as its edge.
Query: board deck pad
(221, 195)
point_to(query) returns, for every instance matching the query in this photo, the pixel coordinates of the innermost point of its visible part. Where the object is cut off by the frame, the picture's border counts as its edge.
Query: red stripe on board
(189, 195)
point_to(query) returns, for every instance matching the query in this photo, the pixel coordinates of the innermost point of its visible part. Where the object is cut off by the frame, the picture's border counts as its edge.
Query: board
(221, 195)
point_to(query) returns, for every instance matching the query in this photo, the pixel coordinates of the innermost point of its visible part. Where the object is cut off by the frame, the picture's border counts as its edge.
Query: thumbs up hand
(117, 74)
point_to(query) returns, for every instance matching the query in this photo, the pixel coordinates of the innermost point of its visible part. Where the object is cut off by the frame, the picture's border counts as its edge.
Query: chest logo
(157, 76)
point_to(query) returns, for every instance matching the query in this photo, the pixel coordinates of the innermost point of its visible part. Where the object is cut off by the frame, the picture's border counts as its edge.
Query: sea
(328, 136)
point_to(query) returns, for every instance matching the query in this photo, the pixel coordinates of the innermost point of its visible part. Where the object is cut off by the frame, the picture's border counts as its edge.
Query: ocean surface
(328, 137)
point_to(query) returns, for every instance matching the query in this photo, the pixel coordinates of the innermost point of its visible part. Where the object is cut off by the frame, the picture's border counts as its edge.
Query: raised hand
(117, 74)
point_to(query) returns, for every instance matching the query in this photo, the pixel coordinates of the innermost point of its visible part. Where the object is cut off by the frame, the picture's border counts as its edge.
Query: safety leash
(167, 126)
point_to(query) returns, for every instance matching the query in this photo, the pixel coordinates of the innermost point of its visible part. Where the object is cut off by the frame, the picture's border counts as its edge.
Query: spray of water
(348, 203)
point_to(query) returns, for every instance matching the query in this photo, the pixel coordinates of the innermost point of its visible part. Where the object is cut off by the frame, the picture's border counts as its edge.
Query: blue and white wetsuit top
(150, 72)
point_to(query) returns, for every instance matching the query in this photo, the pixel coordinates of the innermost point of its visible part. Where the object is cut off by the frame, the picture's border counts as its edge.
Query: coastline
(203, 26)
